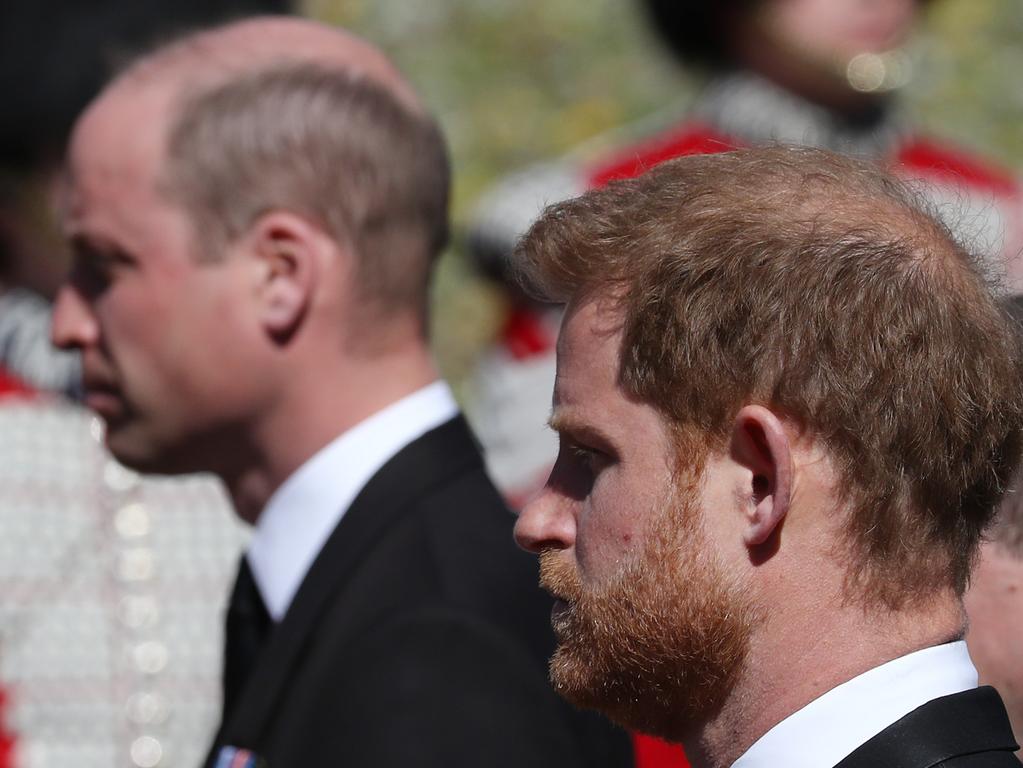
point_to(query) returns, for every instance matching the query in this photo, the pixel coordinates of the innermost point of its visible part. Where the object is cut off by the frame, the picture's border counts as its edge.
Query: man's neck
(322, 403)
(791, 666)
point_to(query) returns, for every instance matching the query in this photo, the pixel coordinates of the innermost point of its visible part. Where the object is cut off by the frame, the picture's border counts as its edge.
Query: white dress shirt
(832, 726)
(302, 513)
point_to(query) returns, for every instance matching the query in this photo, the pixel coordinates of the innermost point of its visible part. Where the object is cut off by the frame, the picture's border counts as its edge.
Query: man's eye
(91, 275)
(577, 468)
(588, 457)
(93, 269)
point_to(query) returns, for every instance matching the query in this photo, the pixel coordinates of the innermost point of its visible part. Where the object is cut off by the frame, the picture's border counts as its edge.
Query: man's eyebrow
(579, 430)
(80, 243)
(85, 246)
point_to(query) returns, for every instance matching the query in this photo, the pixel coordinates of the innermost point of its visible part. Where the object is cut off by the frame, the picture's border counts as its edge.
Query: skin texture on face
(161, 333)
(652, 628)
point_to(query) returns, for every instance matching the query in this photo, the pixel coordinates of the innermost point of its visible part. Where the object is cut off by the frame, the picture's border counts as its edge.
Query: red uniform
(11, 385)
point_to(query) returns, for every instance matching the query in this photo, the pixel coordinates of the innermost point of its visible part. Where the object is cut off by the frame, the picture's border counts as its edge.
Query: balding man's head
(245, 206)
(281, 113)
(215, 55)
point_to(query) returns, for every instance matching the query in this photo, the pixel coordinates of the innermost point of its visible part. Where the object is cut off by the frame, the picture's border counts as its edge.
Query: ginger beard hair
(659, 646)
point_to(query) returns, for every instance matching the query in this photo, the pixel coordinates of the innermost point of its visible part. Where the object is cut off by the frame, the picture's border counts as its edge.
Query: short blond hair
(318, 140)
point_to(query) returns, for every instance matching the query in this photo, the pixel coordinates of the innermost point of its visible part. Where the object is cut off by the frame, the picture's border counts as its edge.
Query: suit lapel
(431, 460)
(947, 727)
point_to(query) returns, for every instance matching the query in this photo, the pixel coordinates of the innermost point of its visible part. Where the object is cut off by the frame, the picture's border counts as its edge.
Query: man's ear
(288, 252)
(761, 445)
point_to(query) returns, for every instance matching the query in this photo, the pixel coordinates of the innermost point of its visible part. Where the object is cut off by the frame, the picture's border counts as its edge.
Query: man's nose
(546, 522)
(73, 325)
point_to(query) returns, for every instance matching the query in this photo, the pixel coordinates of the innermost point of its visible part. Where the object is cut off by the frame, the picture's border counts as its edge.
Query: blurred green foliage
(517, 81)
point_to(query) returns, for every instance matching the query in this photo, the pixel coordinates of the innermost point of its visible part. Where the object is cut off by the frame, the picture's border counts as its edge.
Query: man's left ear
(287, 250)
(760, 443)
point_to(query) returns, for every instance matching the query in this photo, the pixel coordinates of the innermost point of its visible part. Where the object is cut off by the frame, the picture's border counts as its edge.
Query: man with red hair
(787, 403)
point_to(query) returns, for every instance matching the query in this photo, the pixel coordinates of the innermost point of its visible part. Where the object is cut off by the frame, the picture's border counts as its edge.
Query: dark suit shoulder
(467, 530)
(420, 637)
(438, 686)
(966, 730)
(454, 541)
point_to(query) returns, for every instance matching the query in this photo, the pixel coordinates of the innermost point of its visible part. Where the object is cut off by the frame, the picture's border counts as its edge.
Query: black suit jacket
(419, 637)
(965, 730)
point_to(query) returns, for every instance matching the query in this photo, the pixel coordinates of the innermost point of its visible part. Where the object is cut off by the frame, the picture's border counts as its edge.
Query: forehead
(588, 351)
(114, 161)
(120, 137)
(587, 387)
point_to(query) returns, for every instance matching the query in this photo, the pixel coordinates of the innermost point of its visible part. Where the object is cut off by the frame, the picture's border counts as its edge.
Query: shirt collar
(832, 726)
(302, 513)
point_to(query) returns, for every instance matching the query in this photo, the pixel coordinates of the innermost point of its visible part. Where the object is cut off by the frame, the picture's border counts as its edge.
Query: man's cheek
(610, 545)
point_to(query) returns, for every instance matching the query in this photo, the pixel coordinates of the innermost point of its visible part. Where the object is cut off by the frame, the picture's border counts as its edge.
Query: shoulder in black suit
(418, 638)
(965, 730)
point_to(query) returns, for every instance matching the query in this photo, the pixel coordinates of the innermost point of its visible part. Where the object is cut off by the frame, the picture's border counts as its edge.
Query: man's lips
(559, 580)
(105, 401)
(560, 612)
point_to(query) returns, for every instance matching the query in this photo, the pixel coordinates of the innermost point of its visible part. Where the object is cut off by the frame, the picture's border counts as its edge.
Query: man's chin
(626, 700)
(134, 450)
(657, 655)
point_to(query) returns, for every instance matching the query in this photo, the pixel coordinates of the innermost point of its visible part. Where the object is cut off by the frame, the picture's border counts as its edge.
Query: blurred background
(515, 82)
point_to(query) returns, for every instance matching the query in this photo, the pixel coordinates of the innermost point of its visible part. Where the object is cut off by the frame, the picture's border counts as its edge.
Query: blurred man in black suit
(254, 213)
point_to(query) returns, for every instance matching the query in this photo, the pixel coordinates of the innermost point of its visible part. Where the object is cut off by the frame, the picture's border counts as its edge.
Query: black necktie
(247, 627)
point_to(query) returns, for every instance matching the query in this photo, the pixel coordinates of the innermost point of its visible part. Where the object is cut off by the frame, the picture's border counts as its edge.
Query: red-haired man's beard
(657, 648)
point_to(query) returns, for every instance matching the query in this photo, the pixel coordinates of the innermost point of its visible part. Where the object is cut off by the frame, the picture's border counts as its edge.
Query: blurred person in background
(255, 213)
(819, 73)
(995, 600)
(111, 584)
